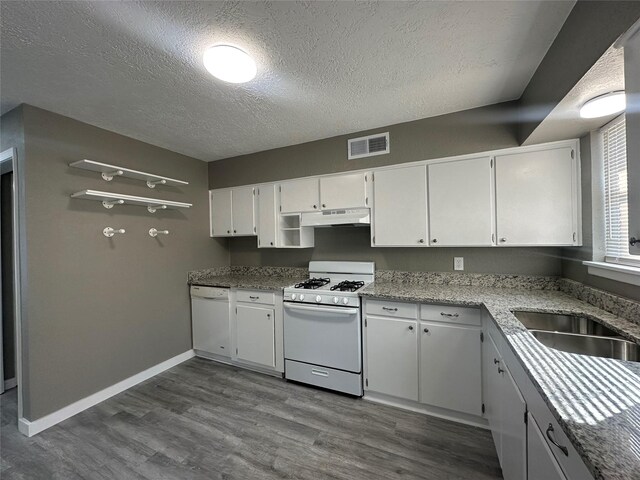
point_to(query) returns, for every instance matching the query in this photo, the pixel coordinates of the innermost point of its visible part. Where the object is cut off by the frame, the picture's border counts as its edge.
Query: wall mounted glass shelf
(108, 172)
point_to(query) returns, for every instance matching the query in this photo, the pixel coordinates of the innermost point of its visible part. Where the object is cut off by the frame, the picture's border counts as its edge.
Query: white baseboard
(11, 383)
(30, 428)
(458, 417)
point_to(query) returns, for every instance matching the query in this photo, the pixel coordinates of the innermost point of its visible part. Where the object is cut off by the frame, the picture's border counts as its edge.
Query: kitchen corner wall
(469, 131)
(572, 258)
(99, 310)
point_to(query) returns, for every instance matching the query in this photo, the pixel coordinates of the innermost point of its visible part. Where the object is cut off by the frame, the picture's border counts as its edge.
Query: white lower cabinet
(513, 428)
(392, 357)
(450, 372)
(255, 335)
(542, 465)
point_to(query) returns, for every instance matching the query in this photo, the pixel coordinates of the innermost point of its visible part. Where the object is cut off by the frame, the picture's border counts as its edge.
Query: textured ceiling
(324, 68)
(606, 75)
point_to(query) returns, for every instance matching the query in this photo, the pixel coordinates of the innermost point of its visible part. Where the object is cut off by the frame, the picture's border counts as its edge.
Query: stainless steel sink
(607, 347)
(574, 334)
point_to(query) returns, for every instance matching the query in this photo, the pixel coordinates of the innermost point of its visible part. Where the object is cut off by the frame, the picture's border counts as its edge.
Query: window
(616, 201)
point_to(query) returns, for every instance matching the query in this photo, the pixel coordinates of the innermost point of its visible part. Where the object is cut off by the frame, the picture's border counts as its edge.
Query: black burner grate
(347, 286)
(312, 283)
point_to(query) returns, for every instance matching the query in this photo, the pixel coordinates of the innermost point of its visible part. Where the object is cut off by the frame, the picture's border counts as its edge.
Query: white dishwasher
(210, 318)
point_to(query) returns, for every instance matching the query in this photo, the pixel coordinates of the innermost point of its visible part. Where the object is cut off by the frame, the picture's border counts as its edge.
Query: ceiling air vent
(361, 147)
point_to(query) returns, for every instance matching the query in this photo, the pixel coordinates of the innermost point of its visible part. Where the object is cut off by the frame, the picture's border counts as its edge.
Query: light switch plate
(458, 263)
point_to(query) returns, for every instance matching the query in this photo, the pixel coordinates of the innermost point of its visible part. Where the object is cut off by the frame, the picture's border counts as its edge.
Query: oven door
(323, 335)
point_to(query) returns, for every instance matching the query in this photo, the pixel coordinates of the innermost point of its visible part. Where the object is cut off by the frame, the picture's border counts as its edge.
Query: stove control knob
(293, 296)
(318, 299)
(345, 301)
(336, 299)
(301, 296)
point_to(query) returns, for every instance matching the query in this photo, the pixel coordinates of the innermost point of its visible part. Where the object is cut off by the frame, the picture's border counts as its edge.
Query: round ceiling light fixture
(229, 64)
(603, 105)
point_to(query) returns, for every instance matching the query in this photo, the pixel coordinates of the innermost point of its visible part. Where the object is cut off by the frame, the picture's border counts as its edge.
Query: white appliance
(210, 317)
(323, 326)
(328, 218)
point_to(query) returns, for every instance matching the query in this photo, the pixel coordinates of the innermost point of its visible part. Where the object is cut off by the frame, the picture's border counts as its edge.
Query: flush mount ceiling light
(603, 105)
(229, 64)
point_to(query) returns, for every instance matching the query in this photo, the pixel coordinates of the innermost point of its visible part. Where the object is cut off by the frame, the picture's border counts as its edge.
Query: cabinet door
(392, 357)
(536, 198)
(343, 191)
(541, 464)
(513, 428)
(461, 203)
(450, 367)
(220, 212)
(400, 207)
(300, 196)
(267, 216)
(255, 335)
(210, 326)
(243, 211)
(491, 383)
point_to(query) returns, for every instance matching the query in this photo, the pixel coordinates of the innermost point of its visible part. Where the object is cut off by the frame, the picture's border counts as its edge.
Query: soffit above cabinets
(324, 68)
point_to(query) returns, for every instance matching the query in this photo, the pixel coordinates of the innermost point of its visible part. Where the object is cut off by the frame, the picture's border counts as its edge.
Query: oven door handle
(339, 311)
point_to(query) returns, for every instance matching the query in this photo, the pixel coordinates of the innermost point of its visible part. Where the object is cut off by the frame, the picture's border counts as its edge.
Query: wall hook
(110, 231)
(154, 232)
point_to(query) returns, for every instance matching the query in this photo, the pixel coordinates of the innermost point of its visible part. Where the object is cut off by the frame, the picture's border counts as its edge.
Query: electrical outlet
(458, 263)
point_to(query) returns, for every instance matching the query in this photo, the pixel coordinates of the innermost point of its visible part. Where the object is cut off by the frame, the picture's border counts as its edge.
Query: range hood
(328, 218)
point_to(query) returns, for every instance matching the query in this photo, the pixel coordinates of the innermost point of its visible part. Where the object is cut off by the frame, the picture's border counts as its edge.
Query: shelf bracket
(154, 232)
(108, 176)
(111, 203)
(153, 183)
(154, 208)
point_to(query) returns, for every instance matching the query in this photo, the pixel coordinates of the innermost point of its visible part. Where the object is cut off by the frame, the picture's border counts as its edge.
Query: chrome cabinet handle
(421, 240)
(315, 206)
(389, 309)
(503, 239)
(228, 231)
(411, 327)
(455, 315)
(253, 298)
(235, 231)
(324, 205)
(320, 373)
(435, 240)
(500, 370)
(562, 448)
(426, 330)
(496, 361)
(270, 243)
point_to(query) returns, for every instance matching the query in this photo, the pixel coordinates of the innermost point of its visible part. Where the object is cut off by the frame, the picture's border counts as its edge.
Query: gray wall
(457, 133)
(590, 28)
(8, 318)
(101, 310)
(572, 258)
(463, 132)
(353, 243)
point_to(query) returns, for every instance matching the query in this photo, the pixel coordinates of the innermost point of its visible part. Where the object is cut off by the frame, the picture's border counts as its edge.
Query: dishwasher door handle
(338, 311)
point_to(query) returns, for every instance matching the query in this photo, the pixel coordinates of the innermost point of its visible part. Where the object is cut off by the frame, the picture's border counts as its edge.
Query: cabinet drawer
(451, 314)
(392, 309)
(324, 377)
(256, 296)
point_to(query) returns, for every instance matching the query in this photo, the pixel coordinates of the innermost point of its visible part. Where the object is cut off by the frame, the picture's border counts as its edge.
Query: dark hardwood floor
(202, 420)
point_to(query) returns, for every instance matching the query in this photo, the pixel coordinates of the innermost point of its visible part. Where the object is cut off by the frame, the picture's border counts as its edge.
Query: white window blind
(615, 193)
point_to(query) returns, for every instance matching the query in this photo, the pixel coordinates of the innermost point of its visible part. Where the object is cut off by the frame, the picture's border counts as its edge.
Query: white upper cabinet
(243, 211)
(344, 191)
(537, 197)
(220, 212)
(267, 216)
(400, 207)
(301, 195)
(461, 203)
(232, 212)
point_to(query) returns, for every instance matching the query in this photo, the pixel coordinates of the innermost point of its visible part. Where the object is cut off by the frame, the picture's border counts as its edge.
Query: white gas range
(323, 326)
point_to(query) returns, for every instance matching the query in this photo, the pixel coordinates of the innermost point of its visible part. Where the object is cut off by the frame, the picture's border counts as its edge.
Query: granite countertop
(595, 400)
(255, 282)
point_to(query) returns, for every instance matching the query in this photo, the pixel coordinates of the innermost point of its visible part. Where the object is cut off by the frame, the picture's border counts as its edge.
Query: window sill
(620, 273)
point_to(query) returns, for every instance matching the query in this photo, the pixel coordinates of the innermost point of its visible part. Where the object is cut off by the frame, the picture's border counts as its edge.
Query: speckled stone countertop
(595, 400)
(257, 278)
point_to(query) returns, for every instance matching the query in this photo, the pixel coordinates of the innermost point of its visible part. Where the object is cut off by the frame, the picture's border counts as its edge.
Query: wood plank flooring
(202, 420)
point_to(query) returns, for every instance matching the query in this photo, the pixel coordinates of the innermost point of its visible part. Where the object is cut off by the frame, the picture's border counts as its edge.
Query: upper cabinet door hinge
(280, 207)
(574, 236)
(365, 322)
(366, 200)
(481, 337)
(491, 162)
(254, 229)
(366, 382)
(525, 417)
(374, 240)
(254, 191)
(573, 153)
(483, 409)
(280, 188)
